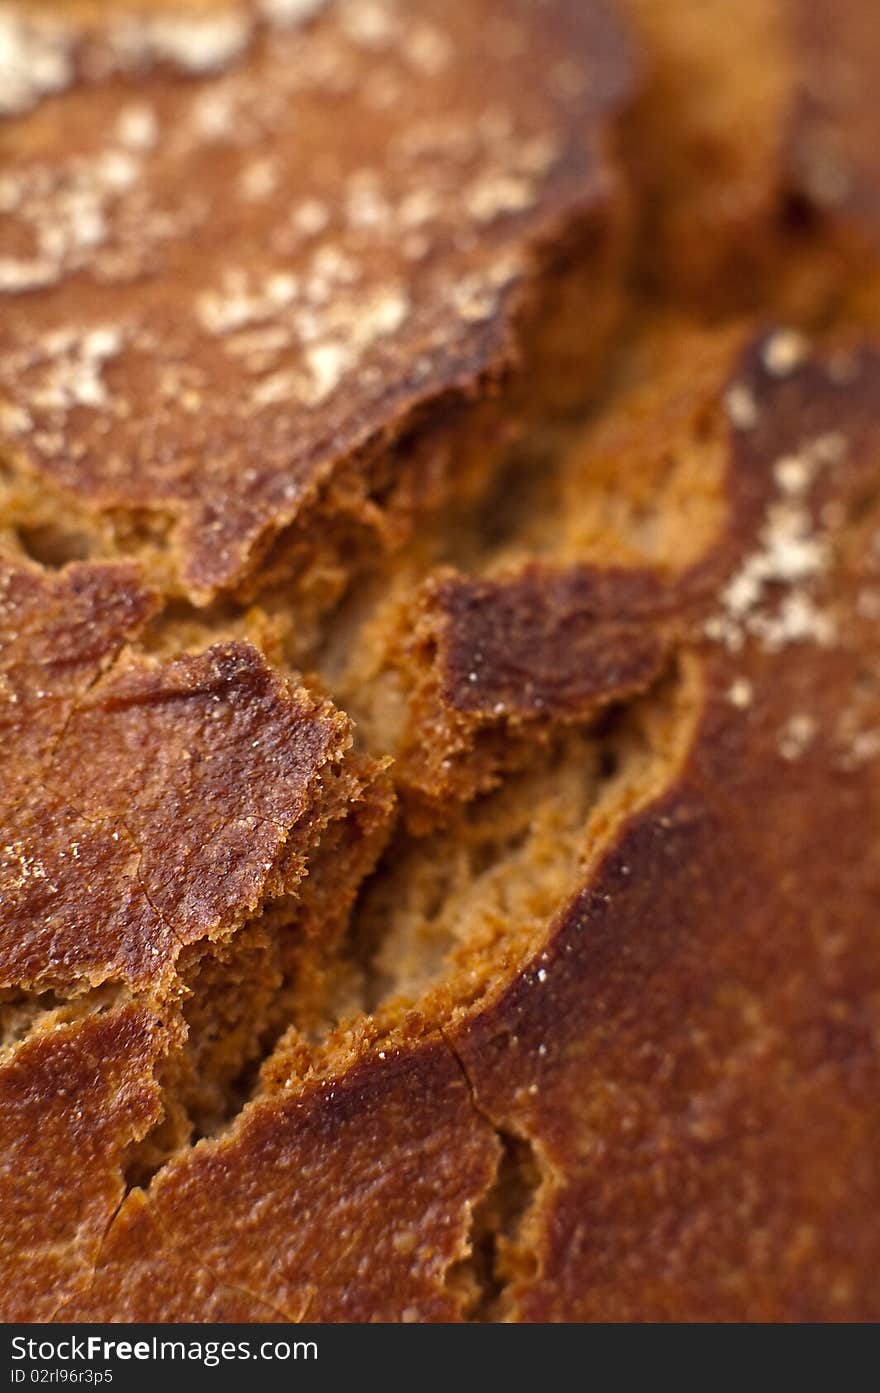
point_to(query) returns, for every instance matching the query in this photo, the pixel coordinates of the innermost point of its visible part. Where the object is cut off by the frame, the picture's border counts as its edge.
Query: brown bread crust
(166, 809)
(543, 986)
(687, 1049)
(261, 331)
(71, 1099)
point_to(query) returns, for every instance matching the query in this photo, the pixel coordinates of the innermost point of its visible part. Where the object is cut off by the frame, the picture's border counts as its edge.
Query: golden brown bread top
(388, 1194)
(492, 665)
(59, 633)
(755, 147)
(710, 996)
(150, 805)
(686, 1048)
(596, 1038)
(71, 1101)
(202, 317)
(545, 638)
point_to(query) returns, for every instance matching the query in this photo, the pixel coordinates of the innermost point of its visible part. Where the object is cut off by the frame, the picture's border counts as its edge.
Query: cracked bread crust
(163, 808)
(686, 1047)
(153, 808)
(389, 1190)
(72, 1099)
(257, 330)
(708, 1006)
(567, 1010)
(493, 666)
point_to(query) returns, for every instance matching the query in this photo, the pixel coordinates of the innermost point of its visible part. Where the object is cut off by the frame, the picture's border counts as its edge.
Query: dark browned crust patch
(688, 1051)
(596, 1039)
(192, 381)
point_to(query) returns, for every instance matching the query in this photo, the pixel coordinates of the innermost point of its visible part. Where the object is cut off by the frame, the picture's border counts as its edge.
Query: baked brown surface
(755, 149)
(439, 875)
(265, 332)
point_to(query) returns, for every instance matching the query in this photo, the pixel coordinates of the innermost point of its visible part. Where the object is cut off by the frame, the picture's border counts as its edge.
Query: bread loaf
(439, 675)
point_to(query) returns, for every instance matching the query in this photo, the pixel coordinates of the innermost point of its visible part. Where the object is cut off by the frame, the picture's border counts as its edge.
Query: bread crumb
(137, 127)
(798, 732)
(196, 44)
(784, 351)
(427, 48)
(740, 693)
(491, 197)
(369, 23)
(258, 180)
(36, 58)
(286, 13)
(741, 407)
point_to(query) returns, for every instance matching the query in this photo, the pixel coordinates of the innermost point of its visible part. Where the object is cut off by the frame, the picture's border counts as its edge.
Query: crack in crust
(533, 1026)
(714, 605)
(264, 375)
